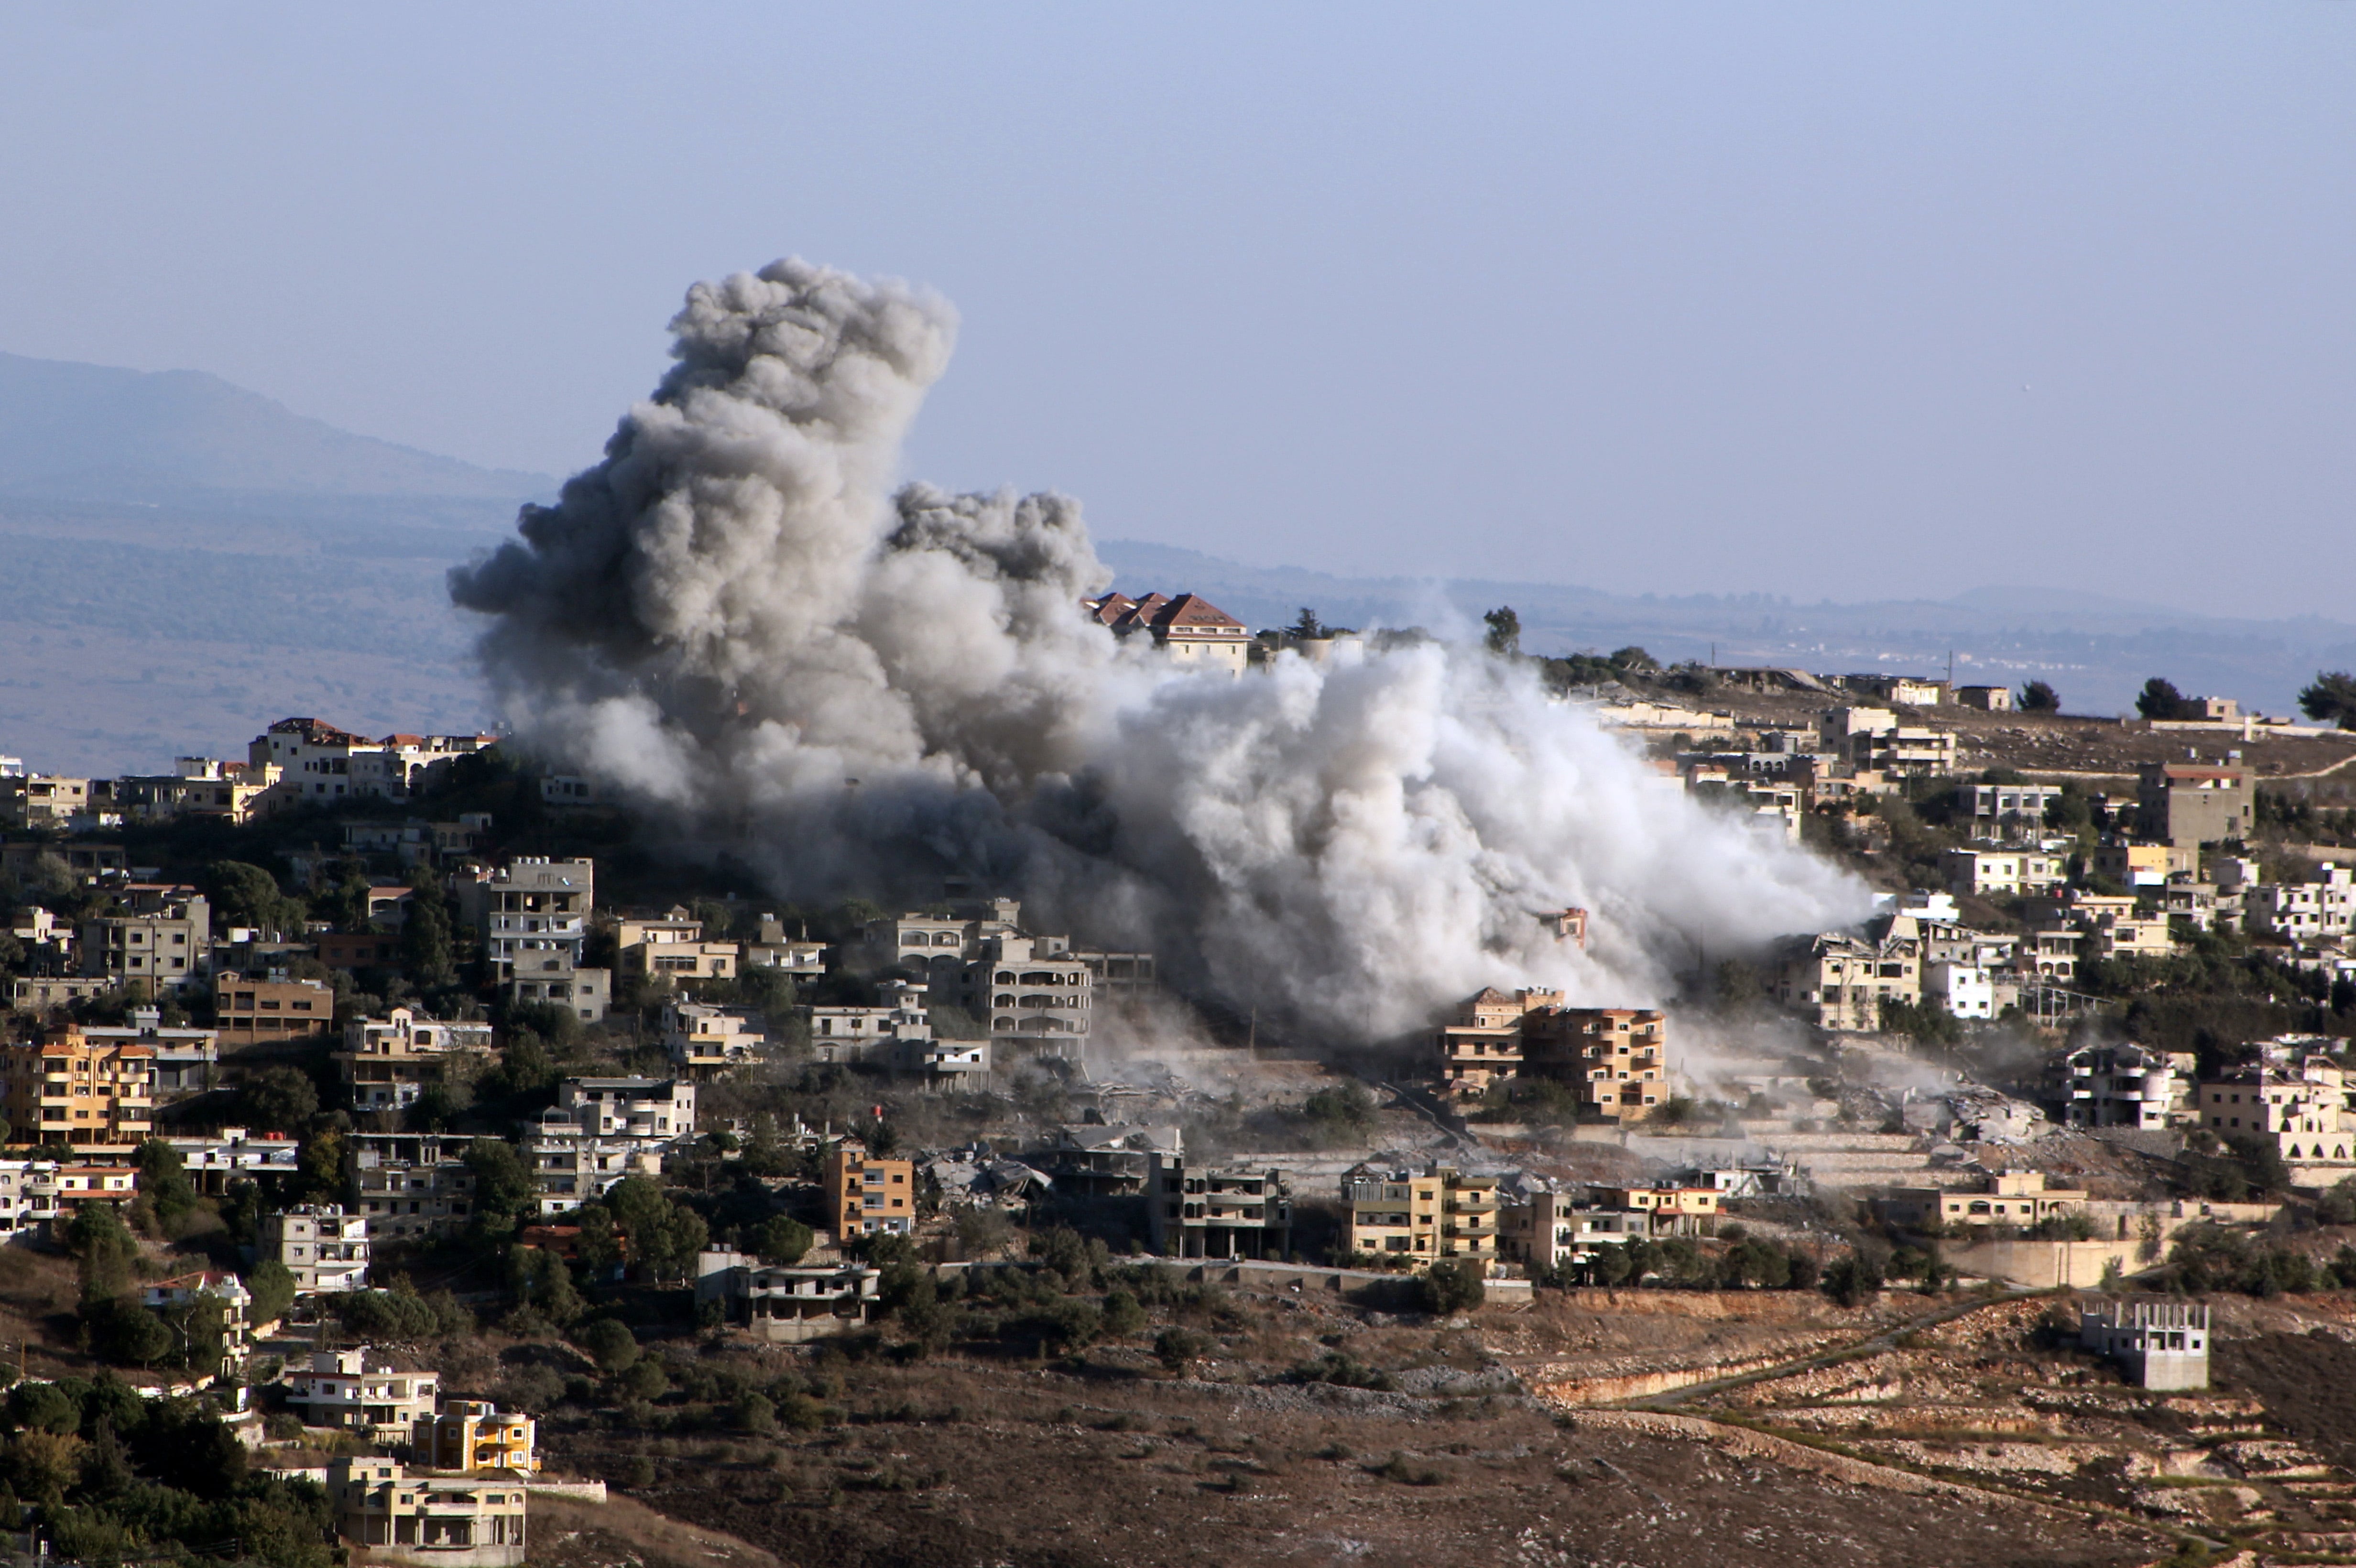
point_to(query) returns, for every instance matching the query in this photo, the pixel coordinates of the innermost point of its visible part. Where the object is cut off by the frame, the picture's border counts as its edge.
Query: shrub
(1448, 1288)
(1176, 1348)
(1344, 1371)
(610, 1344)
(1122, 1314)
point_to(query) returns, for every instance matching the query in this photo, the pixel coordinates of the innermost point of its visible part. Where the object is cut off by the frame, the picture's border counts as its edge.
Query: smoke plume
(734, 616)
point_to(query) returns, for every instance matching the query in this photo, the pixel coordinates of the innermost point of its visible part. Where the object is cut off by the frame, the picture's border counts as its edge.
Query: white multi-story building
(387, 1062)
(2006, 812)
(2305, 1108)
(659, 1109)
(322, 762)
(362, 1390)
(2304, 911)
(2121, 1086)
(1037, 993)
(324, 1247)
(877, 1034)
(569, 1165)
(705, 1039)
(1988, 873)
(1963, 990)
(235, 1154)
(411, 1187)
(28, 1194)
(533, 913)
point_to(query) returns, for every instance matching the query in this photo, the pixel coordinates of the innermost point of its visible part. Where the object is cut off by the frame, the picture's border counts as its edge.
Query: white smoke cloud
(733, 614)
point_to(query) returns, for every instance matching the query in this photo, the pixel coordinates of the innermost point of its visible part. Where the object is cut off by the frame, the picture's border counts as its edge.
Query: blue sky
(1824, 301)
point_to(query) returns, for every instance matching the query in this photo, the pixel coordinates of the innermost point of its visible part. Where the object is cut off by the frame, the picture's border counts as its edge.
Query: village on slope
(387, 1119)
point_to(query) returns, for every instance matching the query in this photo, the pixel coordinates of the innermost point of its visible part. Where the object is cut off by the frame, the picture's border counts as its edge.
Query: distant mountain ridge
(94, 432)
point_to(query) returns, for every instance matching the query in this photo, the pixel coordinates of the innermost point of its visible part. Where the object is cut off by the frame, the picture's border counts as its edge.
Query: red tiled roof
(1191, 609)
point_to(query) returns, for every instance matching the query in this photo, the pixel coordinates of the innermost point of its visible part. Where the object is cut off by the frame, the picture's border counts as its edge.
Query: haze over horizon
(1855, 303)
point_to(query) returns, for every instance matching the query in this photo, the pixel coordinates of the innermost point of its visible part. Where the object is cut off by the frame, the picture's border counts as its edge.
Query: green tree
(133, 1335)
(2336, 1205)
(503, 1189)
(104, 1249)
(164, 1180)
(280, 1100)
(1448, 1288)
(246, 894)
(427, 952)
(2331, 698)
(610, 1344)
(1504, 635)
(598, 1247)
(1852, 1278)
(1306, 627)
(1123, 1313)
(272, 1285)
(2161, 699)
(783, 1239)
(2037, 697)
(1176, 1348)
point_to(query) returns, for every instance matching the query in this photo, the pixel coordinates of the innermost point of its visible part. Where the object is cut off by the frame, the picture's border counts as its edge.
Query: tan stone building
(1839, 982)
(1617, 1058)
(1442, 1216)
(457, 1520)
(2188, 804)
(1482, 1043)
(252, 1010)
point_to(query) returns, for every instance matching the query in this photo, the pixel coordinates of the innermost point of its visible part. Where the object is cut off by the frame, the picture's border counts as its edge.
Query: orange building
(70, 1090)
(866, 1197)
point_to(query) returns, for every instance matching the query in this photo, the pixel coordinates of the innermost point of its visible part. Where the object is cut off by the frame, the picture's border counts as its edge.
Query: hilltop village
(413, 1153)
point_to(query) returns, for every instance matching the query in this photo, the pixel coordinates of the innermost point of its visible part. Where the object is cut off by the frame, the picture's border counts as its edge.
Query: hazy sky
(1808, 300)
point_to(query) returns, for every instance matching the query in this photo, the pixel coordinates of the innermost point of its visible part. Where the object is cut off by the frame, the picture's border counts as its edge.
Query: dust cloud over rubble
(736, 617)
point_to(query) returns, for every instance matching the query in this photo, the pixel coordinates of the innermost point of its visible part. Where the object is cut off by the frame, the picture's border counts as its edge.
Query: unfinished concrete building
(2160, 1343)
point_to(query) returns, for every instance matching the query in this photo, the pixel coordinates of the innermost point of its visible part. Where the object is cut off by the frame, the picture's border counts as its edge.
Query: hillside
(95, 433)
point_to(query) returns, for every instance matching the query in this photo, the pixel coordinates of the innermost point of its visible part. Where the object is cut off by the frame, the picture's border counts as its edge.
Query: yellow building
(865, 1196)
(1442, 1215)
(1673, 1210)
(471, 1434)
(70, 1090)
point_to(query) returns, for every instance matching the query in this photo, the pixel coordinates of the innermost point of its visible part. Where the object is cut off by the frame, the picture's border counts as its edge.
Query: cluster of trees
(1746, 1262)
(2330, 698)
(2207, 1257)
(118, 1477)
(111, 1319)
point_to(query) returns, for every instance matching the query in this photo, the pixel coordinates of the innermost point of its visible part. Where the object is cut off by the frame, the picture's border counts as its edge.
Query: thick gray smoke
(733, 614)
